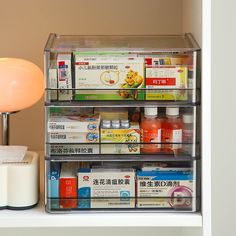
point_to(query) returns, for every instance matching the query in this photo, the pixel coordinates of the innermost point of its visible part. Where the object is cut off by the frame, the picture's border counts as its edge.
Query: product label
(172, 136)
(151, 136)
(75, 149)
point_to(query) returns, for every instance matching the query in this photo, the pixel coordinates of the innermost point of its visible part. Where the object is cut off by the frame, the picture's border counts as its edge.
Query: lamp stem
(5, 128)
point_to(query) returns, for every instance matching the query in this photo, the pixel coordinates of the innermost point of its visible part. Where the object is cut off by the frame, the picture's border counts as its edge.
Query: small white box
(103, 182)
(52, 80)
(64, 76)
(75, 137)
(80, 123)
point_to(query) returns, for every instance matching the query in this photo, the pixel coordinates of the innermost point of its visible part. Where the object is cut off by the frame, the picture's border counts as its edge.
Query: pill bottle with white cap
(150, 128)
(172, 129)
(187, 133)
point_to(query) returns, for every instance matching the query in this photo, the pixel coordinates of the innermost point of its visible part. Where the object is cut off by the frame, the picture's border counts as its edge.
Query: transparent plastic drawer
(121, 186)
(79, 133)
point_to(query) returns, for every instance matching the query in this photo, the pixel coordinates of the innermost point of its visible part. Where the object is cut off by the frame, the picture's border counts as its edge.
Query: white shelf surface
(37, 217)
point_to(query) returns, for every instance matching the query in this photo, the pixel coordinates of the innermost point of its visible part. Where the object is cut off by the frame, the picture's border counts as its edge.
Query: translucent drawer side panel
(132, 186)
(74, 132)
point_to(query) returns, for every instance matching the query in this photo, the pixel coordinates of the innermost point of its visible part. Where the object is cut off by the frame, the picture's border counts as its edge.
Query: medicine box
(64, 76)
(161, 78)
(125, 140)
(73, 137)
(109, 113)
(80, 123)
(165, 184)
(109, 73)
(99, 183)
(53, 180)
(52, 80)
(68, 185)
(162, 166)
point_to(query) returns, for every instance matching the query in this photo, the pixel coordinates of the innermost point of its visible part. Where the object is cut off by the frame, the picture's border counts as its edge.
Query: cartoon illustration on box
(133, 80)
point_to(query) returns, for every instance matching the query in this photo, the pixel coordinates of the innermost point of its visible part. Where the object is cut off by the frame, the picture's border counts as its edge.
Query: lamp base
(19, 183)
(5, 126)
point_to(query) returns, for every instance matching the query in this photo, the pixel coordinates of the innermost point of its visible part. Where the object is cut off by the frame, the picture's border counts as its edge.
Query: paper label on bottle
(151, 136)
(172, 136)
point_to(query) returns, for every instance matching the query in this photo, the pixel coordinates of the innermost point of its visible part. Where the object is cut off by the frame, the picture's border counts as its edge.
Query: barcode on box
(58, 136)
(56, 127)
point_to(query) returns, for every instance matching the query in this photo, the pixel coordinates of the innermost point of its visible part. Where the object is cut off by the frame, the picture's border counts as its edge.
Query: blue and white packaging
(104, 183)
(165, 184)
(53, 180)
(166, 189)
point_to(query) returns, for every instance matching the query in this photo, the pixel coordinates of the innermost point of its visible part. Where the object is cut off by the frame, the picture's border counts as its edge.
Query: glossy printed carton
(125, 140)
(159, 79)
(109, 73)
(74, 123)
(165, 184)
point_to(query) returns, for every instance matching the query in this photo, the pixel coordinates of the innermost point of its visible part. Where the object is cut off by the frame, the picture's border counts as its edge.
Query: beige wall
(25, 26)
(193, 22)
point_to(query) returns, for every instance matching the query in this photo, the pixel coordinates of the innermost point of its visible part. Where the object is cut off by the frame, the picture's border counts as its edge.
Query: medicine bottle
(150, 128)
(172, 128)
(187, 133)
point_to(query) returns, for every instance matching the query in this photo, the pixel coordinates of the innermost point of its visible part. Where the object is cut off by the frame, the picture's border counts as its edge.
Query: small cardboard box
(106, 183)
(125, 141)
(68, 185)
(80, 123)
(161, 78)
(52, 81)
(73, 137)
(165, 184)
(64, 76)
(109, 73)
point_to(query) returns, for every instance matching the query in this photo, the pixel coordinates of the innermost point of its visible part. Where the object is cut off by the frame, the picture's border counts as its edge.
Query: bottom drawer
(183, 204)
(124, 186)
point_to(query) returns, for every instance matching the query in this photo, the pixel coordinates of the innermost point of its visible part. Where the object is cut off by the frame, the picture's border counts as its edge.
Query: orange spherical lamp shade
(21, 84)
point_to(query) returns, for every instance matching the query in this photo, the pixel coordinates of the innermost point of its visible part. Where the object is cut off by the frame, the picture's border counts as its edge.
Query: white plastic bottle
(188, 133)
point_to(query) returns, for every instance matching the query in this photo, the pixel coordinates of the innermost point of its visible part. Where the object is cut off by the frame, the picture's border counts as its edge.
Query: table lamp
(21, 86)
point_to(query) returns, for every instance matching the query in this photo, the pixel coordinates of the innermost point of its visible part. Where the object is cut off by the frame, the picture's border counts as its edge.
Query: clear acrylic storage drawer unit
(122, 123)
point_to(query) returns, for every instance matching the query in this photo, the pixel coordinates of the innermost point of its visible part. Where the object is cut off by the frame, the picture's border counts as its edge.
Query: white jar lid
(172, 111)
(188, 118)
(150, 111)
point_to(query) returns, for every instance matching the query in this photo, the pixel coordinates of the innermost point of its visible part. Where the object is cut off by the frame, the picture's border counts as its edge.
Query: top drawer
(84, 71)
